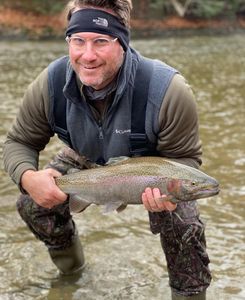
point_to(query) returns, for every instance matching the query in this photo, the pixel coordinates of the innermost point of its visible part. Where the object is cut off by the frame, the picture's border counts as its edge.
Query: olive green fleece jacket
(178, 138)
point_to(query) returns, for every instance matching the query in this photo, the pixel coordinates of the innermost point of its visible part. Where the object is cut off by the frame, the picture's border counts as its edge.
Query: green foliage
(164, 6)
(201, 8)
(146, 8)
(206, 8)
(238, 6)
(36, 6)
(217, 8)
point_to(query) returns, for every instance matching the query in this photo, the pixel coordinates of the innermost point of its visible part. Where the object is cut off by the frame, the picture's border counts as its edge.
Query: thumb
(54, 173)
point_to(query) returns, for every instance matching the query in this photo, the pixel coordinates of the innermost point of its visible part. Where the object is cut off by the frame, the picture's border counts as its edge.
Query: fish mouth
(203, 192)
(208, 192)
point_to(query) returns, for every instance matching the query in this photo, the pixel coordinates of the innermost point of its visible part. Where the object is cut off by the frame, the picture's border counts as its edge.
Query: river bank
(19, 25)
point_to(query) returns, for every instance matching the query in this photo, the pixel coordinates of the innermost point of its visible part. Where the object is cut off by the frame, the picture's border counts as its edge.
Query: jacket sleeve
(30, 131)
(178, 138)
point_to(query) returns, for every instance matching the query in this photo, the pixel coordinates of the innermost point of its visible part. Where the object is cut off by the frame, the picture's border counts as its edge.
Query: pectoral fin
(111, 206)
(169, 198)
(77, 204)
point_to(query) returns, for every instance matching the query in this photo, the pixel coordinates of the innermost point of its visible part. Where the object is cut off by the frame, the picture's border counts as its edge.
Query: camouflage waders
(183, 242)
(181, 231)
(54, 226)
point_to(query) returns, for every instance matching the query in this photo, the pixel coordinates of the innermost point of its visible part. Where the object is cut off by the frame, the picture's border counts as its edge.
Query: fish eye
(193, 183)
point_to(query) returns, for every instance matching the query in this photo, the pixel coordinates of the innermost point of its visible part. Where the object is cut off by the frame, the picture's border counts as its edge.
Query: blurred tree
(141, 9)
(197, 8)
(36, 6)
(237, 6)
(217, 8)
(144, 9)
(206, 8)
(181, 7)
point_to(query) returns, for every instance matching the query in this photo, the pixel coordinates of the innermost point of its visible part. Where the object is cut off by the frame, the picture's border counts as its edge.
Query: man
(93, 101)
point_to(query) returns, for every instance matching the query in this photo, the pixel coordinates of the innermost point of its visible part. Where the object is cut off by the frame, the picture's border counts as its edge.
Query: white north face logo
(101, 22)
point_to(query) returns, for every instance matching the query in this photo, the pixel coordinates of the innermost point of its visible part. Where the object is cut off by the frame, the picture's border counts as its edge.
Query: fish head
(188, 189)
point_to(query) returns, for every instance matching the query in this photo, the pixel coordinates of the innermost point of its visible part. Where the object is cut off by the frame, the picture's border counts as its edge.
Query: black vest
(139, 143)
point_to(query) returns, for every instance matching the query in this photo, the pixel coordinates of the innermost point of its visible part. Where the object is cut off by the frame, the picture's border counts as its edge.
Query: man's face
(94, 62)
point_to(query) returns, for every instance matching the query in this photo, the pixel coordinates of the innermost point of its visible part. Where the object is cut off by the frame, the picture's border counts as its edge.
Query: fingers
(155, 202)
(41, 186)
(168, 204)
(52, 172)
(55, 193)
(149, 199)
(50, 197)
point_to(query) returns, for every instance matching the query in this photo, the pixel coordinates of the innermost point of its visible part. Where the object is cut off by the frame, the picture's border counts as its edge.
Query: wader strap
(139, 144)
(57, 73)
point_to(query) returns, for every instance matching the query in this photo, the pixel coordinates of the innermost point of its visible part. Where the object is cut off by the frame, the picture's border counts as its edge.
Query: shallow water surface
(124, 260)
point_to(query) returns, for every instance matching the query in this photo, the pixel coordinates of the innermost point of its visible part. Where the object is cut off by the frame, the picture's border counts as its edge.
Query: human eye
(77, 41)
(101, 42)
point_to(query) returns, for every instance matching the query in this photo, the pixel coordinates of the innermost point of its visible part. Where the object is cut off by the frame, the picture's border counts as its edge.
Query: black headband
(99, 21)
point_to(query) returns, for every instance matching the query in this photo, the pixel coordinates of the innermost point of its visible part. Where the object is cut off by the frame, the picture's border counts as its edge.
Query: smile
(90, 68)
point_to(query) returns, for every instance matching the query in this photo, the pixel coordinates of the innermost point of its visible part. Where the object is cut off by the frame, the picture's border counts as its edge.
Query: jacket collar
(73, 87)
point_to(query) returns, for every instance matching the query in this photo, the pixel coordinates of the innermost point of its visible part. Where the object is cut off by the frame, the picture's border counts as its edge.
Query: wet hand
(40, 185)
(155, 202)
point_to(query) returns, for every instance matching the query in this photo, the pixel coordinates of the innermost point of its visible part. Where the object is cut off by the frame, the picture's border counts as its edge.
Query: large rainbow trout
(122, 183)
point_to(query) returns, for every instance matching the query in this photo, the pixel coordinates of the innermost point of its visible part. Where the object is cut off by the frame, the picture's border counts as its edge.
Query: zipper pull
(101, 135)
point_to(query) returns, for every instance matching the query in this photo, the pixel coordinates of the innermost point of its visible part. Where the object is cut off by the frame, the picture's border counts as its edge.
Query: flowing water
(124, 260)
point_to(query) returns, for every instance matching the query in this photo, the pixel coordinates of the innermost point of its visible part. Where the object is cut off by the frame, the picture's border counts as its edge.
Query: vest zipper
(101, 134)
(101, 159)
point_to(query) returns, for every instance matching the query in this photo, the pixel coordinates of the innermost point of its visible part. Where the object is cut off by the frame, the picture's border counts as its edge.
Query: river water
(124, 260)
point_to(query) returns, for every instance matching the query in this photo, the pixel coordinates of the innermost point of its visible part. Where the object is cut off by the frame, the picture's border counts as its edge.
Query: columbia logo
(122, 131)
(101, 22)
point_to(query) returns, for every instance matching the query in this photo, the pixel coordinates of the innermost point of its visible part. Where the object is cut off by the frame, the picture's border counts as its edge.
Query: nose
(88, 53)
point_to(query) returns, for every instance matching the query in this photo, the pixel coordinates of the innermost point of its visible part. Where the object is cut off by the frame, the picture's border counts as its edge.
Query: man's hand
(40, 185)
(153, 201)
